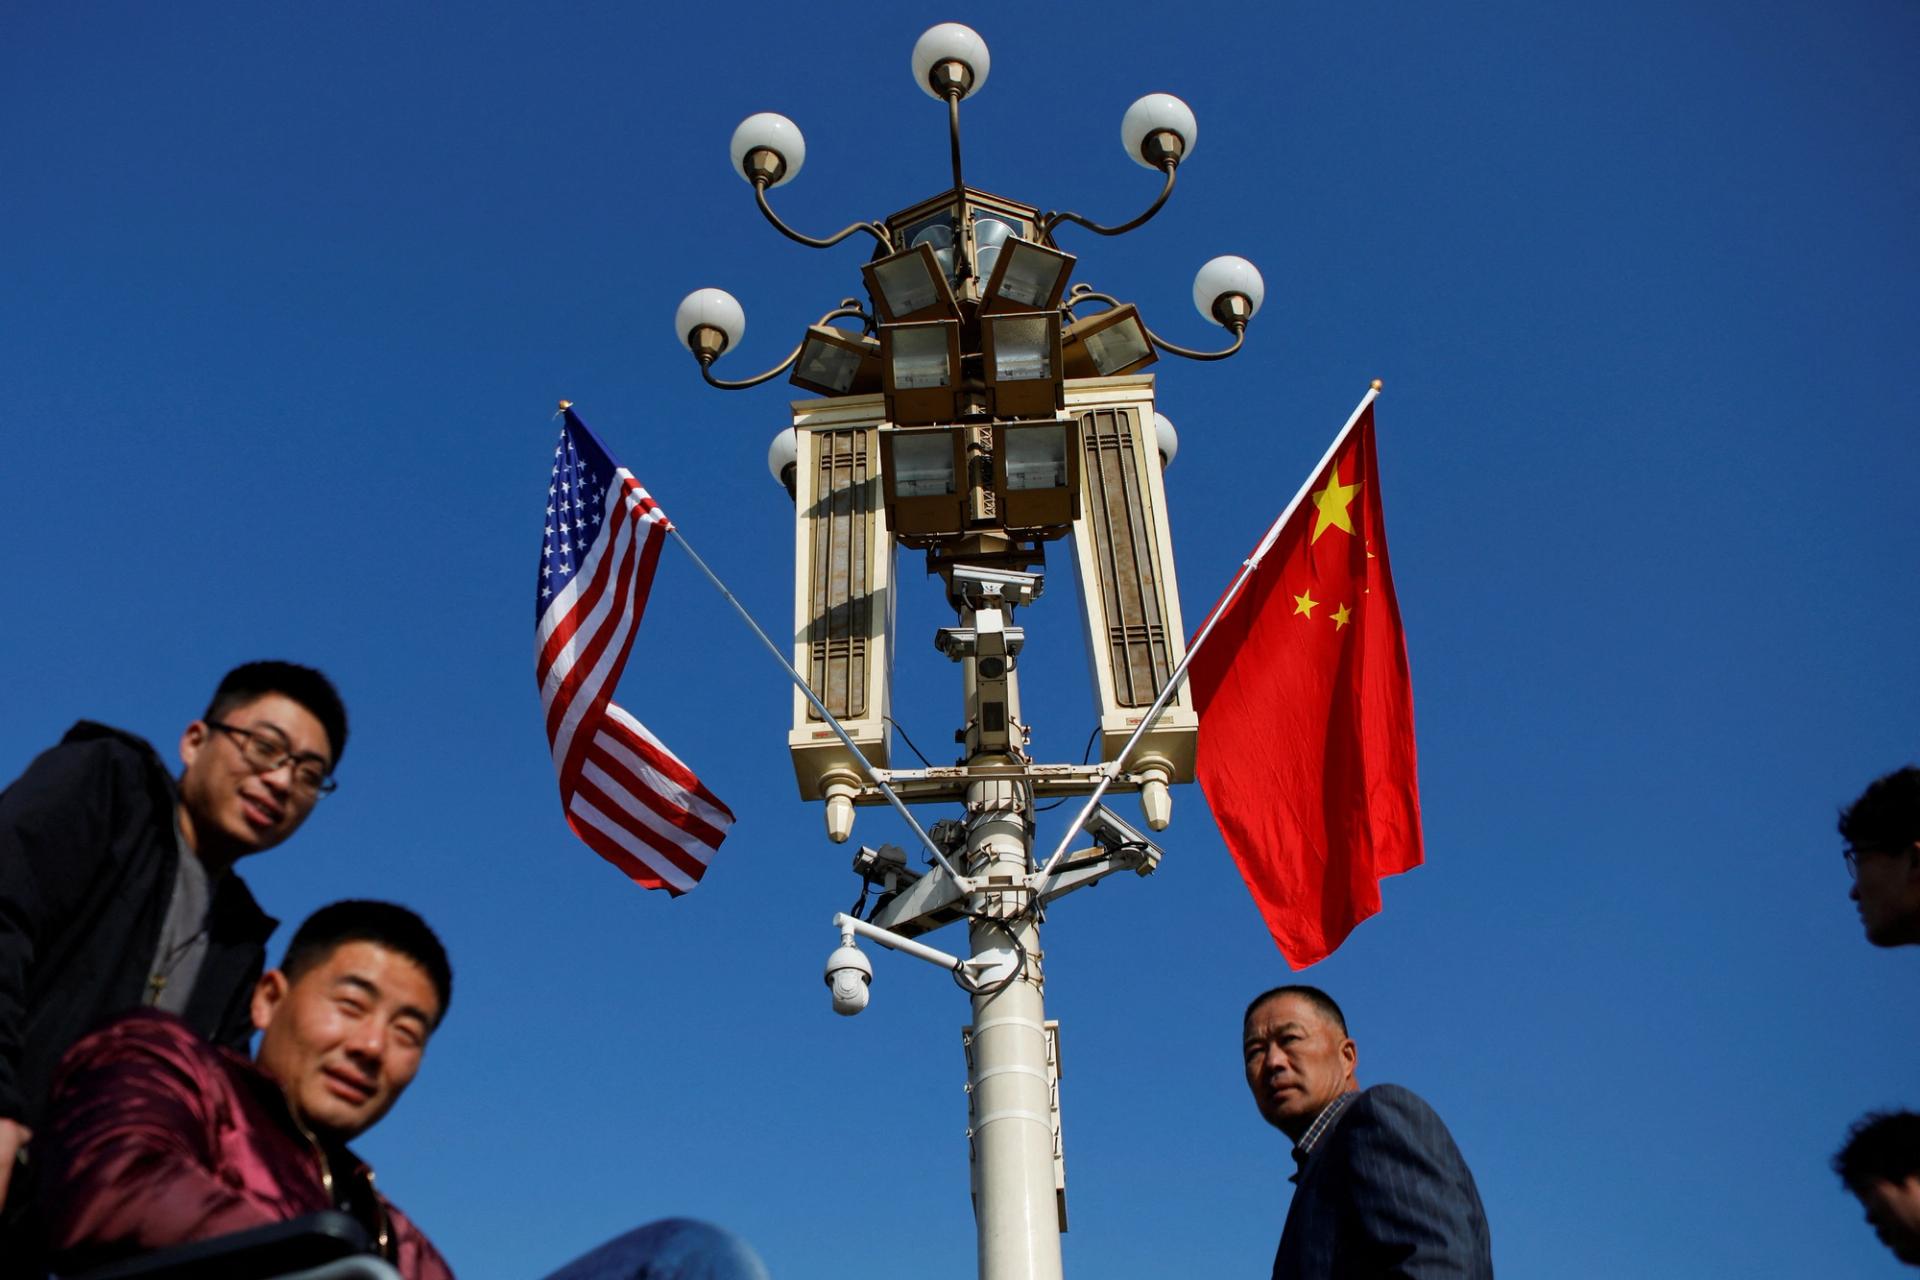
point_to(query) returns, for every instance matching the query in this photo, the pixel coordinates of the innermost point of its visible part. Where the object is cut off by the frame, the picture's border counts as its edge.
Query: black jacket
(1385, 1193)
(88, 854)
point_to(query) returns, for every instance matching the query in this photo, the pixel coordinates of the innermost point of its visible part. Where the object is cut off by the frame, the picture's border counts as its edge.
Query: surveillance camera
(1009, 586)
(969, 642)
(1111, 831)
(1117, 837)
(848, 975)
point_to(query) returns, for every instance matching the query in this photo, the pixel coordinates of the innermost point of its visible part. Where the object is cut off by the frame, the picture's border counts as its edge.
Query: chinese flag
(1306, 714)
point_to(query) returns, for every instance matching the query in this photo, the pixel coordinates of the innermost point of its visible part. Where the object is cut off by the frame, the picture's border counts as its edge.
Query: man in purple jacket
(156, 1138)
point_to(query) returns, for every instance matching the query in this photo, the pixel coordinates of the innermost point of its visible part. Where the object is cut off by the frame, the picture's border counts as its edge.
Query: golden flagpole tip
(568, 404)
(1377, 384)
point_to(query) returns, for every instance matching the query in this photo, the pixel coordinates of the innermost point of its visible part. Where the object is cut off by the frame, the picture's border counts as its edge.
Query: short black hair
(1314, 996)
(304, 685)
(1887, 814)
(385, 924)
(1881, 1146)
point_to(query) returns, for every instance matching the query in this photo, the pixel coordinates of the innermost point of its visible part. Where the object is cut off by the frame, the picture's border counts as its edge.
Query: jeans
(670, 1249)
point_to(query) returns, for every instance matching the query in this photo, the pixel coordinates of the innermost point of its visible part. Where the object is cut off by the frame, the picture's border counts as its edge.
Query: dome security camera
(848, 976)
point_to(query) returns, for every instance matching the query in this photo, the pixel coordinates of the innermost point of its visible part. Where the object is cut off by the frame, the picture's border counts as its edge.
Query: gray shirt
(183, 935)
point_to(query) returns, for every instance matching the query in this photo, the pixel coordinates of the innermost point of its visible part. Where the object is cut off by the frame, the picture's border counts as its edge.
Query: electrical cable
(909, 741)
(1020, 955)
(1084, 757)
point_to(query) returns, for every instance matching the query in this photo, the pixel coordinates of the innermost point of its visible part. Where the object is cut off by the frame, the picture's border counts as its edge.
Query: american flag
(624, 793)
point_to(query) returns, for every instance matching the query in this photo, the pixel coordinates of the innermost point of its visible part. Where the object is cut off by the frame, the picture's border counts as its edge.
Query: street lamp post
(981, 410)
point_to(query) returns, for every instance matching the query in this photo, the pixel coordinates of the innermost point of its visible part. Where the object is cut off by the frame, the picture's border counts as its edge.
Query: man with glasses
(1882, 831)
(117, 887)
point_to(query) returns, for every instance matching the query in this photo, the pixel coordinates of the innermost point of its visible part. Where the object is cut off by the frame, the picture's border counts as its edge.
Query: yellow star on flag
(1332, 503)
(1304, 602)
(1341, 617)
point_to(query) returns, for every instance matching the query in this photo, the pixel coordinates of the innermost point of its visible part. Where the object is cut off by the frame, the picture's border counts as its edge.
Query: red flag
(1306, 748)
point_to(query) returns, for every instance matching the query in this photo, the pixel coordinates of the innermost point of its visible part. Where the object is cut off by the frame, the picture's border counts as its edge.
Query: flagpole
(832, 722)
(1252, 562)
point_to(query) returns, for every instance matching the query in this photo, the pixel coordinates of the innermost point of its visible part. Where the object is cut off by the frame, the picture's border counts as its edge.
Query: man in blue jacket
(117, 887)
(1380, 1189)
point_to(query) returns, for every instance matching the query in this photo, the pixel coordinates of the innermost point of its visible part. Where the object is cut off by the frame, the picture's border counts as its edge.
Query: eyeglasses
(1852, 855)
(267, 749)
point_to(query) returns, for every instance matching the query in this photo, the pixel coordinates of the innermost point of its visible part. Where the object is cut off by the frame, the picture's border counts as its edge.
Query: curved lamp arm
(873, 229)
(1052, 220)
(1161, 344)
(1086, 293)
(847, 307)
(706, 371)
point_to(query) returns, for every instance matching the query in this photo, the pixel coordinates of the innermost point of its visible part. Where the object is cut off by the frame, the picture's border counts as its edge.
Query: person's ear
(267, 996)
(192, 739)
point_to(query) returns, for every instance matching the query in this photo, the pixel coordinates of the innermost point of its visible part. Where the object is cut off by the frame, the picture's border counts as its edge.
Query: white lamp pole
(974, 415)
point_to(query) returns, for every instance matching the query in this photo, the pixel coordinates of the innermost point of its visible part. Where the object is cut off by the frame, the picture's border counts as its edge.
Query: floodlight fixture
(836, 362)
(923, 477)
(911, 285)
(1108, 343)
(1022, 362)
(920, 369)
(990, 235)
(1025, 277)
(1036, 475)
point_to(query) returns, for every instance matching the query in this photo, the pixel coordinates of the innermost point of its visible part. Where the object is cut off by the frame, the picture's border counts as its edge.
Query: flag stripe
(612, 766)
(604, 657)
(639, 865)
(624, 809)
(623, 729)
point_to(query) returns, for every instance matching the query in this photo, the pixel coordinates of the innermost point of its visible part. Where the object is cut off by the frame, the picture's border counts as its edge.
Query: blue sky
(288, 295)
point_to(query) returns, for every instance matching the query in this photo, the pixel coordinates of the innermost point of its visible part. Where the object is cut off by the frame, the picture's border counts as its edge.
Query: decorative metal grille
(848, 496)
(1120, 524)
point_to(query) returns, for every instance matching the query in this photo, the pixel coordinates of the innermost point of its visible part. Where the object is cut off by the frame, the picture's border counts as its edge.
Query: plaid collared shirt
(1317, 1130)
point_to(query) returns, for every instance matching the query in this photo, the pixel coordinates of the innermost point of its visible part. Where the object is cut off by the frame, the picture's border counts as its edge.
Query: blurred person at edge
(1882, 834)
(1880, 1165)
